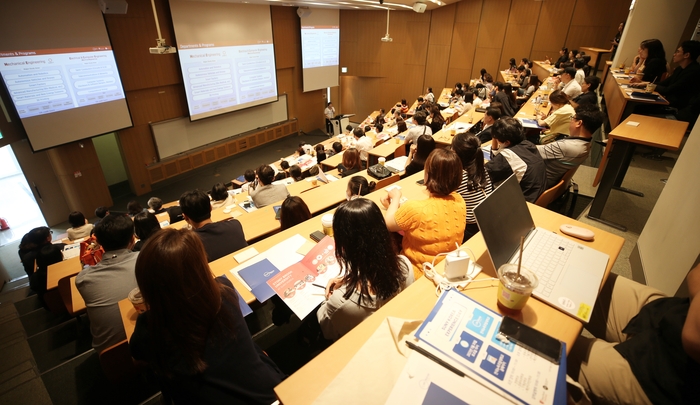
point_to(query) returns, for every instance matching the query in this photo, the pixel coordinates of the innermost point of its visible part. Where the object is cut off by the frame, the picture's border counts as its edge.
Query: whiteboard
(180, 135)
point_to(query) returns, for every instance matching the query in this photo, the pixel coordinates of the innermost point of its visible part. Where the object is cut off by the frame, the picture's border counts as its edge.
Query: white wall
(661, 19)
(670, 241)
(110, 158)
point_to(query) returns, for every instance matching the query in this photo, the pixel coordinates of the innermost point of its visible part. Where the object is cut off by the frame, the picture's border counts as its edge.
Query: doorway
(17, 204)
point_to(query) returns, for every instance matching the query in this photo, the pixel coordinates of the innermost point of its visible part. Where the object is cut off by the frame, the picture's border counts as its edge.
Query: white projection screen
(59, 70)
(226, 55)
(320, 48)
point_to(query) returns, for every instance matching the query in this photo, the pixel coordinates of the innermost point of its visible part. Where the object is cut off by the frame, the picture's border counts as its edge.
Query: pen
(318, 285)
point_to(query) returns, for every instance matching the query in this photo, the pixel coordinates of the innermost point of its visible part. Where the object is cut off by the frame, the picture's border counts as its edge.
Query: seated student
(512, 153)
(522, 76)
(351, 163)
(378, 128)
(372, 271)
(458, 86)
(80, 227)
(567, 84)
(559, 116)
(267, 193)
(31, 244)
(363, 144)
(358, 186)
(654, 62)
(219, 238)
(499, 107)
(47, 255)
(320, 153)
(145, 225)
(337, 147)
(401, 126)
(580, 74)
(220, 196)
(489, 85)
(476, 100)
(646, 346)
(100, 213)
(249, 177)
(476, 183)
(404, 106)
(418, 155)
(421, 128)
(133, 208)
(457, 96)
(193, 336)
(420, 103)
(464, 106)
(512, 66)
(563, 57)
(573, 54)
(532, 85)
(505, 96)
(293, 211)
(295, 173)
(103, 285)
(155, 205)
(437, 121)
(285, 171)
(308, 149)
(684, 83)
(380, 119)
(434, 225)
(429, 96)
(482, 75)
(588, 97)
(492, 115)
(567, 153)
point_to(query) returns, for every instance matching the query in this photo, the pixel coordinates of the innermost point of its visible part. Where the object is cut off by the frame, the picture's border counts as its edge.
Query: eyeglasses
(573, 117)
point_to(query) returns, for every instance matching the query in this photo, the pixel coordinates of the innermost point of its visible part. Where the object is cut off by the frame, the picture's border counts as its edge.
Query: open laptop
(569, 273)
(323, 177)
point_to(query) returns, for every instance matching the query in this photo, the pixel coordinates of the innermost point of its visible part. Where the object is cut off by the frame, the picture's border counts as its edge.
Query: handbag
(378, 171)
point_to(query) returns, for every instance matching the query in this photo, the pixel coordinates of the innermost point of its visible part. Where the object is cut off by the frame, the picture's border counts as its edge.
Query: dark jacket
(525, 161)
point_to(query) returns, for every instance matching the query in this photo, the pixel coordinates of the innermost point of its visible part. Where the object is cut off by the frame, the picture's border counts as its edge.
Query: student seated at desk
(284, 173)
(418, 155)
(421, 128)
(220, 196)
(295, 173)
(559, 116)
(404, 106)
(653, 66)
(372, 272)
(505, 96)
(320, 153)
(429, 96)
(437, 121)
(464, 105)
(351, 163)
(589, 97)
(155, 206)
(563, 57)
(80, 227)
(193, 336)
(103, 285)
(293, 211)
(100, 213)
(476, 183)
(363, 144)
(358, 186)
(567, 84)
(133, 207)
(492, 115)
(145, 225)
(684, 84)
(249, 177)
(31, 244)
(512, 153)
(434, 225)
(565, 154)
(580, 74)
(267, 193)
(530, 88)
(646, 346)
(48, 254)
(219, 238)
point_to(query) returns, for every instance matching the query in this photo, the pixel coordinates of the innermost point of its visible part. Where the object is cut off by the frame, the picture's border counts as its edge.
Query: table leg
(613, 168)
(597, 61)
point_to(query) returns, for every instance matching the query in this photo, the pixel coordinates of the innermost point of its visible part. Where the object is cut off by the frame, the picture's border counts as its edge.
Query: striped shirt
(474, 197)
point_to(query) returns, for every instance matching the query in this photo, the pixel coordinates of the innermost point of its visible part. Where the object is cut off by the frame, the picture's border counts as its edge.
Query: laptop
(569, 273)
(323, 177)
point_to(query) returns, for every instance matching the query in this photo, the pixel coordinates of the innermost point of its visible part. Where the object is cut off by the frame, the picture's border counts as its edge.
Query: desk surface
(57, 271)
(304, 386)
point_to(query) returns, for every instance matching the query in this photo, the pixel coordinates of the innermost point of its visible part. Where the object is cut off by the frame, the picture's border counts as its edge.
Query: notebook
(569, 273)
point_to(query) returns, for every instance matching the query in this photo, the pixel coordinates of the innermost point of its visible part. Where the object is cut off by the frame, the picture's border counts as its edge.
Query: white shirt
(329, 112)
(364, 145)
(429, 97)
(572, 89)
(580, 75)
(477, 102)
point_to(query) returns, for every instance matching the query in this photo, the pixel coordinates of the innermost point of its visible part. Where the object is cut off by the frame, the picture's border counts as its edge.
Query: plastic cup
(314, 182)
(327, 222)
(545, 103)
(382, 161)
(137, 300)
(627, 70)
(513, 289)
(397, 139)
(651, 87)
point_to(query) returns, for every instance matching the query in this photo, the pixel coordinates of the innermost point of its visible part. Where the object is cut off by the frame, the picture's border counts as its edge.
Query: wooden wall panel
(520, 33)
(552, 28)
(465, 32)
(492, 30)
(439, 45)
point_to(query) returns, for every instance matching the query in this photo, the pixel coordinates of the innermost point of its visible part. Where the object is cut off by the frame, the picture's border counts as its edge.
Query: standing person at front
(219, 238)
(193, 335)
(103, 285)
(433, 225)
(329, 112)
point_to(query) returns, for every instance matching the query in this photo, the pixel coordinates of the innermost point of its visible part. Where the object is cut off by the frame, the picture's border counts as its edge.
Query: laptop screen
(503, 217)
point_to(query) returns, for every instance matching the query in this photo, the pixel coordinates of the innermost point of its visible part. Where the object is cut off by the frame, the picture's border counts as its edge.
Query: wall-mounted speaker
(419, 7)
(303, 12)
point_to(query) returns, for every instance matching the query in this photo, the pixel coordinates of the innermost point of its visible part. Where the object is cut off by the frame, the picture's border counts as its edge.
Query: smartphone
(317, 236)
(531, 339)
(277, 211)
(421, 181)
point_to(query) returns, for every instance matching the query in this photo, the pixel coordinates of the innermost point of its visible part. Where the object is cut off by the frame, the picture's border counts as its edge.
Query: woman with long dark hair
(193, 335)
(418, 154)
(476, 183)
(293, 212)
(437, 121)
(372, 272)
(358, 186)
(652, 63)
(351, 163)
(145, 225)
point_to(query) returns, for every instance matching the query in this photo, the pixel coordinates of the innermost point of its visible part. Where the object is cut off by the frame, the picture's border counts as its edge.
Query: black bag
(378, 171)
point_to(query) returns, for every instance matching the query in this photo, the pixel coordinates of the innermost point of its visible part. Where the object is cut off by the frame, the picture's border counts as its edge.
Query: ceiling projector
(162, 50)
(386, 38)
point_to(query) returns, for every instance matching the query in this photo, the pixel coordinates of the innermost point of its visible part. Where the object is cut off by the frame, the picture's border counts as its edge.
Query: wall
(646, 21)
(452, 43)
(154, 87)
(110, 159)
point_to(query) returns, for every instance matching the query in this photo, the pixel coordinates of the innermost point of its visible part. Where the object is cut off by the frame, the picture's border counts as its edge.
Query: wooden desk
(129, 315)
(652, 131)
(619, 104)
(595, 54)
(332, 162)
(304, 386)
(506, 77)
(65, 268)
(444, 137)
(385, 150)
(542, 69)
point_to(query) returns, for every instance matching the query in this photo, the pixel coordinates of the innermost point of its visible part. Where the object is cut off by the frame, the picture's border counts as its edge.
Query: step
(28, 304)
(61, 343)
(39, 320)
(31, 392)
(17, 375)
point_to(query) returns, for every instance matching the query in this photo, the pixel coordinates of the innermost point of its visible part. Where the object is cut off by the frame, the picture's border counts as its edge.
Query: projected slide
(321, 46)
(223, 77)
(47, 81)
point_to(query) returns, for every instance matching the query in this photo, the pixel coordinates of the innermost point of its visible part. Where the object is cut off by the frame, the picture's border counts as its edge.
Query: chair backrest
(67, 290)
(557, 190)
(117, 363)
(400, 150)
(389, 180)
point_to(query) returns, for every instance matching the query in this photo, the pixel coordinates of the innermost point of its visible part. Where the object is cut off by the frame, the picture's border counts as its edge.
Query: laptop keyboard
(546, 256)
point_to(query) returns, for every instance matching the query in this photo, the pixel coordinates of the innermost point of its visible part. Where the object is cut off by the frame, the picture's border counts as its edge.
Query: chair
(117, 363)
(557, 190)
(385, 182)
(67, 291)
(400, 150)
